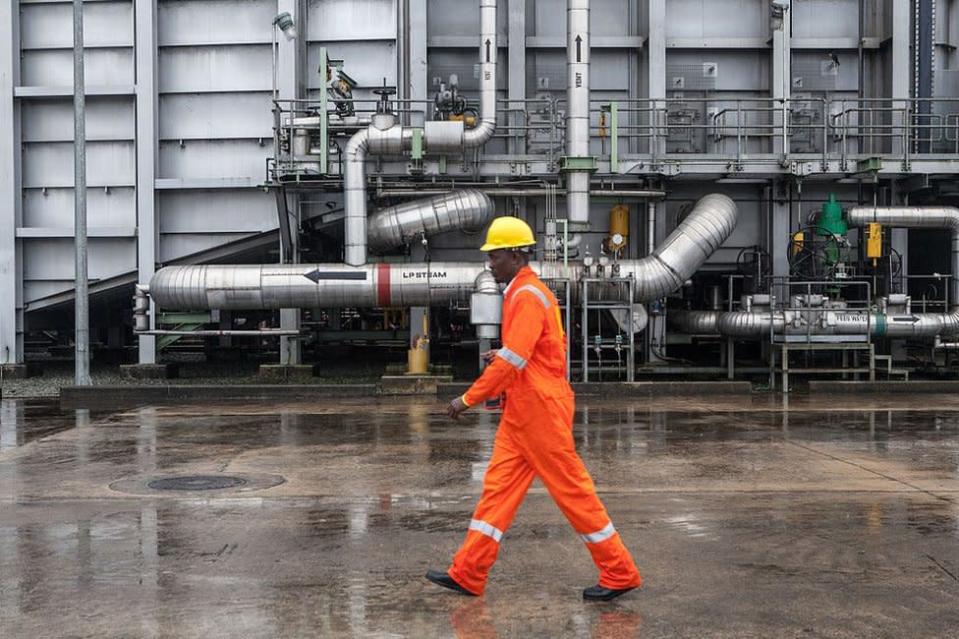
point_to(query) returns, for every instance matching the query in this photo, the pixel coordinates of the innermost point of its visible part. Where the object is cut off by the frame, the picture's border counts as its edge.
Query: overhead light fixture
(285, 22)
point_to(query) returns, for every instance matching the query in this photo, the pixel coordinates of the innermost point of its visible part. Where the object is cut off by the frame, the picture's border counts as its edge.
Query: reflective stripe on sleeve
(511, 358)
(600, 535)
(487, 529)
(535, 291)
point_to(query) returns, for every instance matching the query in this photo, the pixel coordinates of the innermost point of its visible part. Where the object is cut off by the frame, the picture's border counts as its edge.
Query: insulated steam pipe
(468, 209)
(272, 286)
(577, 111)
(354, 194)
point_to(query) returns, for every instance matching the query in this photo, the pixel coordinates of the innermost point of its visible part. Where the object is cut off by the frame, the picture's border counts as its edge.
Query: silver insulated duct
(920, 217)
(275, 286)
(384, 136)
(915, 217)
(577, 111)
(468, 209)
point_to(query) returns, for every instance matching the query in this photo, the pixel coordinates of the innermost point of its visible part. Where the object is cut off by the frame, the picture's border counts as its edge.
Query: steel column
(146, 149)
(11, 270)
(81, 283)
(419, 86)
(291, 84)
(656, 73)
(901, 70)
(782, 77)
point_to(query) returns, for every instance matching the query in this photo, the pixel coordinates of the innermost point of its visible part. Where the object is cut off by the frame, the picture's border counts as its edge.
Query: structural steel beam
(146, 149)
(11, 269)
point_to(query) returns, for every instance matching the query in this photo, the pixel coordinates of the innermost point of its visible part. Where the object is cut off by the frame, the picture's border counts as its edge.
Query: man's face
(504, 264)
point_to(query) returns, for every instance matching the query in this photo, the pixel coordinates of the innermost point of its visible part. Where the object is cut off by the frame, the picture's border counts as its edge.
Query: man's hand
(489, 355)
(455, 408)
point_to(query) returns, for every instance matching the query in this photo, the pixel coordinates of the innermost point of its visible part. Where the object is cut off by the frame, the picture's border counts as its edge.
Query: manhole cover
(213, 485)
(197, 482)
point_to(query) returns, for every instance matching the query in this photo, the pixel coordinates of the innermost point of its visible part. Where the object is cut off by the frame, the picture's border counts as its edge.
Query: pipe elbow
(479, 134)
(357, 146)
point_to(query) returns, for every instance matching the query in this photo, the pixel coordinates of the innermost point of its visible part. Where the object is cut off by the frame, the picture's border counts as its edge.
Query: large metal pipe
(577, 111)
(468, 209)
(915, 217)
(272, 286)
(707, 226)
(385, 136)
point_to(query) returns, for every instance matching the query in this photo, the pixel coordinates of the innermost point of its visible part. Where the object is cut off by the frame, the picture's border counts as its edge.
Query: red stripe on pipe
(383, 290)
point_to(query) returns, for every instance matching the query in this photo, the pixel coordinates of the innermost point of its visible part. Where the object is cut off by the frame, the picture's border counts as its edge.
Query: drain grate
(197, 482)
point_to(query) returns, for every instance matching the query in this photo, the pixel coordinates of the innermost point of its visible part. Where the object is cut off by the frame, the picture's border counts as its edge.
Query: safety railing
(725, 128)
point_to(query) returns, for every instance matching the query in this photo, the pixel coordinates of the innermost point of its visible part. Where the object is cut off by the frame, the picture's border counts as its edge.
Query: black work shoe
(443, 579)
(599, 593)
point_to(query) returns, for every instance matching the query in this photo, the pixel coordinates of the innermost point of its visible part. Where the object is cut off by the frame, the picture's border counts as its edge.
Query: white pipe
(577, 111)
(483, 131)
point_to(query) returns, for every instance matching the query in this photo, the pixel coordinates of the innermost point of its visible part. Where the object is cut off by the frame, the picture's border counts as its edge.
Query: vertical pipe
(483, 131)
(577, 111)
(82, 314)
(650, 227)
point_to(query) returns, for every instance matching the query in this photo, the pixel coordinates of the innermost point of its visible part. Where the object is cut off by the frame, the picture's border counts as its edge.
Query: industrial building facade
(214, 138)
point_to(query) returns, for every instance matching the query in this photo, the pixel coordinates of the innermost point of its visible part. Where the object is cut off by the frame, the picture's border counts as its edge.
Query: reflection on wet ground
(833, 517)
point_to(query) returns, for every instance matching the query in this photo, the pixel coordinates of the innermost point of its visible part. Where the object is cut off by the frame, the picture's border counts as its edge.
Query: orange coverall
(535, 439)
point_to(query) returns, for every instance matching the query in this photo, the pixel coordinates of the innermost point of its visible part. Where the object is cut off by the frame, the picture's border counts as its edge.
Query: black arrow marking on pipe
(488, 43)
(318, 275)
(911, 320)
(579, 48)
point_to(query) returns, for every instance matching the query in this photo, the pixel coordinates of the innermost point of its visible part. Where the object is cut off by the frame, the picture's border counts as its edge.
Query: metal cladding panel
(223, 211)
(174, 246)
(55, 67)
(816, 71)
(105, 207)
(51, 120)
(334, 20)
(826, 19)
(214, 159)
(214, 21)
(717, 18)
(52, 259)
(50, 25)
(215, 68)
(444, 18)
(610, 18)
(735, 70)
(366, 62)
(609, 71)
(191, 116)
(51, 164)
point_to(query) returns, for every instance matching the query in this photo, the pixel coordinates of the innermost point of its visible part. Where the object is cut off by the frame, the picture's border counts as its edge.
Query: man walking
(535, 436)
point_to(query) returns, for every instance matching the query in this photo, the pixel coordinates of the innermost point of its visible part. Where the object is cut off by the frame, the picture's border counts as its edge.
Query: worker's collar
(523, 272)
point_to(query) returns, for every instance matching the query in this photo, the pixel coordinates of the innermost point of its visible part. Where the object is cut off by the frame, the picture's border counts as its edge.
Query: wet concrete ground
(827, 518)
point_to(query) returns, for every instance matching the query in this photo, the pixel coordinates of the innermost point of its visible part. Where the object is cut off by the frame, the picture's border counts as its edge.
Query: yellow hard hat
(508, 233)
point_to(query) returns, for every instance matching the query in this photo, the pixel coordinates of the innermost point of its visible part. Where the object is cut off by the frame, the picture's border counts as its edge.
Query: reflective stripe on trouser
(542, 448)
